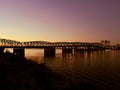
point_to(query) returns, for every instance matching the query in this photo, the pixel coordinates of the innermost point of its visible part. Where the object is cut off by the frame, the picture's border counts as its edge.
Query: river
(99, 68)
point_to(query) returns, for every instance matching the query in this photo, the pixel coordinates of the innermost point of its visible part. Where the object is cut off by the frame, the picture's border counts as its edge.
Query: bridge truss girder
(13, 43)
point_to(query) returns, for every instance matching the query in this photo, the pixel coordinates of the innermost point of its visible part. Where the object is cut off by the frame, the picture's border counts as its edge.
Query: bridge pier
(67, 50)
(49, 52)
(19, 52)
(76, 50)
(90, 48)
(1, 51)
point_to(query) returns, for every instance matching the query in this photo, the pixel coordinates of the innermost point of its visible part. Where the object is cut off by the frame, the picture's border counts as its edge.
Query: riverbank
(21, 74)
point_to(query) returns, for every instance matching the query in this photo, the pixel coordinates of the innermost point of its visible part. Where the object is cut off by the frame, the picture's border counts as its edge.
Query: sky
(60, 20)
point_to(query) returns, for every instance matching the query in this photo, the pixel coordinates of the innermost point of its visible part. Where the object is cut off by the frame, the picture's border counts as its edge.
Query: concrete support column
(89, 47)
(78, 50)
(67, 50)
(1, 51)
(19, 52)
(92, 48)
(49, 52)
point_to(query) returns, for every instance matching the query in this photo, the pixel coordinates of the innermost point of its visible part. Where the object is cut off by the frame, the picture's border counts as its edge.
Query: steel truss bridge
(49, 47)
(37, 44)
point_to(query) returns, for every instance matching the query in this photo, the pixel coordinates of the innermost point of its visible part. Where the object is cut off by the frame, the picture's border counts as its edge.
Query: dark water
(99, 68)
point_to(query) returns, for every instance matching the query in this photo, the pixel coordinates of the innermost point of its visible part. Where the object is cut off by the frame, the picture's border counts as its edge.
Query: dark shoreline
(21, 74)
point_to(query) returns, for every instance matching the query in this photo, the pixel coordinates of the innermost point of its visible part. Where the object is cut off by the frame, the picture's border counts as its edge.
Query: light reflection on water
(101, 68)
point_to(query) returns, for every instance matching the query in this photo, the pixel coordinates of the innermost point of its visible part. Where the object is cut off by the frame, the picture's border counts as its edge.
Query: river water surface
(99, 68)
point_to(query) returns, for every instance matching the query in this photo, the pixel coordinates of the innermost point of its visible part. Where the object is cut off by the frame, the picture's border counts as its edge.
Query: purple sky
(60, 20)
